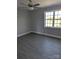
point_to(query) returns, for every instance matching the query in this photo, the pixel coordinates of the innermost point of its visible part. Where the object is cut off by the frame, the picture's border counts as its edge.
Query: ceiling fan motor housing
(30, 5)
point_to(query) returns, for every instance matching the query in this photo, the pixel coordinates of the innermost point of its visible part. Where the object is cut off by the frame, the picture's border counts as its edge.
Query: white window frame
(45, 19)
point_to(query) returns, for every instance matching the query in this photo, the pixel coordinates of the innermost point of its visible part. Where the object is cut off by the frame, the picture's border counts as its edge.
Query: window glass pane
(46, 24)
(57, 25)
(59, 17)
(56, 12)
(51, 13)
(55, 21)
(47, 13)
(59, 21)
(59, 12)
(51, 17)
(48, 17)
(56, 17)
(49, 21)
(49, 25)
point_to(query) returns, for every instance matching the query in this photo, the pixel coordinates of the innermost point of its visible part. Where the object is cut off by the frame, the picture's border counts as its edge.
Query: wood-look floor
(34, 46)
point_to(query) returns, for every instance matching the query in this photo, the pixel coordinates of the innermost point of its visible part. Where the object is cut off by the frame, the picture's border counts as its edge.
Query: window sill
(53, 27)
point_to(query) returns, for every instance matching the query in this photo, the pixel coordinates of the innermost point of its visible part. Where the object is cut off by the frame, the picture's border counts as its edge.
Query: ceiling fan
(31, 5)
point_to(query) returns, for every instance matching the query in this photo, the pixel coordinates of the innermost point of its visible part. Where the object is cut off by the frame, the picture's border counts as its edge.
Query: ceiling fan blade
(30, 5)
(30, 0)
(36, 4)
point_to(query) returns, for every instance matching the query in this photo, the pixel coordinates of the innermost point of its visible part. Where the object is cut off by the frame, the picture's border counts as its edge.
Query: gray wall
(38, 20)
(23, 21)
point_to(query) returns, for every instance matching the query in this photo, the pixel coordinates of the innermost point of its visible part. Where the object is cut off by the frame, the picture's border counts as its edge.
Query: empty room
(38, 29)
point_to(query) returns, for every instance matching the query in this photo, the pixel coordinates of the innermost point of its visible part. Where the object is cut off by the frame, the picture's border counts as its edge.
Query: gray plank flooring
(34, 46)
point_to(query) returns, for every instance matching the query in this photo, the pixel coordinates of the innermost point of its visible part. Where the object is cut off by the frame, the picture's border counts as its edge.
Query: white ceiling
(43, 3)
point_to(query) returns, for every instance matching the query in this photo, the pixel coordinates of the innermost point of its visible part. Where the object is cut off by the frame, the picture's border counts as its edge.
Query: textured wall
(23, 21)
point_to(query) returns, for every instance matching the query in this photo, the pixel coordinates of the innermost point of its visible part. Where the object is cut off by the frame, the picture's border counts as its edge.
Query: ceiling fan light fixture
(31, 8)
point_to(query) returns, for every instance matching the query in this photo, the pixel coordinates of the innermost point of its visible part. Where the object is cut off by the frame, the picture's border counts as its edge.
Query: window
(53, 19)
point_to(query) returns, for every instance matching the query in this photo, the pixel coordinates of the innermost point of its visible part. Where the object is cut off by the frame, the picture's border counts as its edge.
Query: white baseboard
(40, 34)
(23, 34)
(48, 35)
